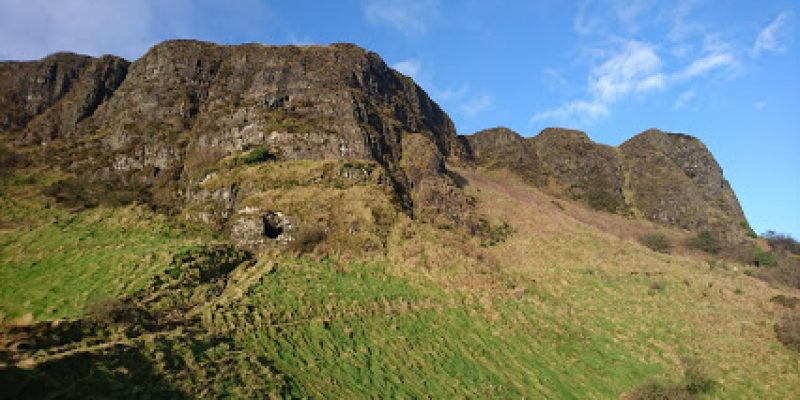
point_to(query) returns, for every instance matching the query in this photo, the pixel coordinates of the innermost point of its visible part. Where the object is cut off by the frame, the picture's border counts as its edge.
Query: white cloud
(584, 23)
(770, 37)
(31, 29)
(634, 69)
(684, 99)
(578, 112)
(681, 26)
(410, 17)
(450, 93)
(476, 105)
(705, 64)
(606, 16)
(410, 68)
(760, 105)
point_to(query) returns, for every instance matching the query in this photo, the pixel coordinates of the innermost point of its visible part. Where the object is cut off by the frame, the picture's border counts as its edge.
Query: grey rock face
(185, 105)
(564, 161)
(256, 229)
(46, 99)
(667, 178)
(674, 179)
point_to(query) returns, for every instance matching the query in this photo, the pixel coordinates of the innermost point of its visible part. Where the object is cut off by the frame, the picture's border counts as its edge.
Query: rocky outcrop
(44, 100)
(564, 161)
(162, 122)
(674, 179)
(665, 177)
(155, 129)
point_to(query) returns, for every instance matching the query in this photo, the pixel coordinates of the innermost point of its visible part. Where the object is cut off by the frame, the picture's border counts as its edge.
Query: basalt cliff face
(260, 140)
(159, 127)
(667, 178)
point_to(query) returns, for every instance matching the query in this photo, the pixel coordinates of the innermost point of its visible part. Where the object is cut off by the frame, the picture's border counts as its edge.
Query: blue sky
(725, 71)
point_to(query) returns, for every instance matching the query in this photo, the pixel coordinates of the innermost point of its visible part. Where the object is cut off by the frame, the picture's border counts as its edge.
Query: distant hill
(667, 178)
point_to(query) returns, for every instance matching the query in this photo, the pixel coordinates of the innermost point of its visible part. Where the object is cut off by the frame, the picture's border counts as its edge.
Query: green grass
(556, 310)
(54, 263)
(352, 329)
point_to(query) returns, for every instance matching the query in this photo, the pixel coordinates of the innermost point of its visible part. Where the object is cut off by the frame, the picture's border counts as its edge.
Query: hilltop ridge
(668, 178)
(154, 130)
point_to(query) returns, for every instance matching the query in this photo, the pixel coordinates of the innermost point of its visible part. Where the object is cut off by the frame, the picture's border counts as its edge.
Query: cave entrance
(273, 225)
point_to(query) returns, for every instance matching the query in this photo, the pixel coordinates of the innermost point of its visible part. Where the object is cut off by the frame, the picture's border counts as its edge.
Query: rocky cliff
(44, 100)
(667, 178)
(159, 126)
(185, 125)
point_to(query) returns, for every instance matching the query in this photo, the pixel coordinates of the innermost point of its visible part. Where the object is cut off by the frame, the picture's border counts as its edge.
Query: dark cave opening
(272, 226)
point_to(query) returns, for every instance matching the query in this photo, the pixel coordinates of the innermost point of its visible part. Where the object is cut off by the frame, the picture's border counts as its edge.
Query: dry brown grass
(592, 262)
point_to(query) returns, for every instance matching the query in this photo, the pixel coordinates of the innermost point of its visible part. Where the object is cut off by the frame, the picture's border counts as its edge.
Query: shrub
(659, 391)
(765, 258)
(602, 201)
(781, 241)
(257, 155)
(491, 235)
(705, 241)
(788, 331)
(786, 301)
(657, 242)
(78, 193)
(696, 380)
(696, 376)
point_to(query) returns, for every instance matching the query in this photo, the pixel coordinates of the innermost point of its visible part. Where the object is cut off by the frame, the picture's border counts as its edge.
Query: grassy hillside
(54, 262)
(568, 305)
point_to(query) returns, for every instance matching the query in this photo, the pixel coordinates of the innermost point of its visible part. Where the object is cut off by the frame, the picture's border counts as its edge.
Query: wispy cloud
(476, 105)
(410, 17)
(577, 112)
(605, 16)
(684, 99)
(635, 69)
(463, 99)
(622, 67)
(705, 64)
(681, 25)
(410, 67)
(460, 99)
(769, 39)
(32, 29)
(760, 105)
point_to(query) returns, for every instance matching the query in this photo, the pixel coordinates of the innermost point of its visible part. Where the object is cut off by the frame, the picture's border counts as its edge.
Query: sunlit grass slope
(53, 263)
(568, 306)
